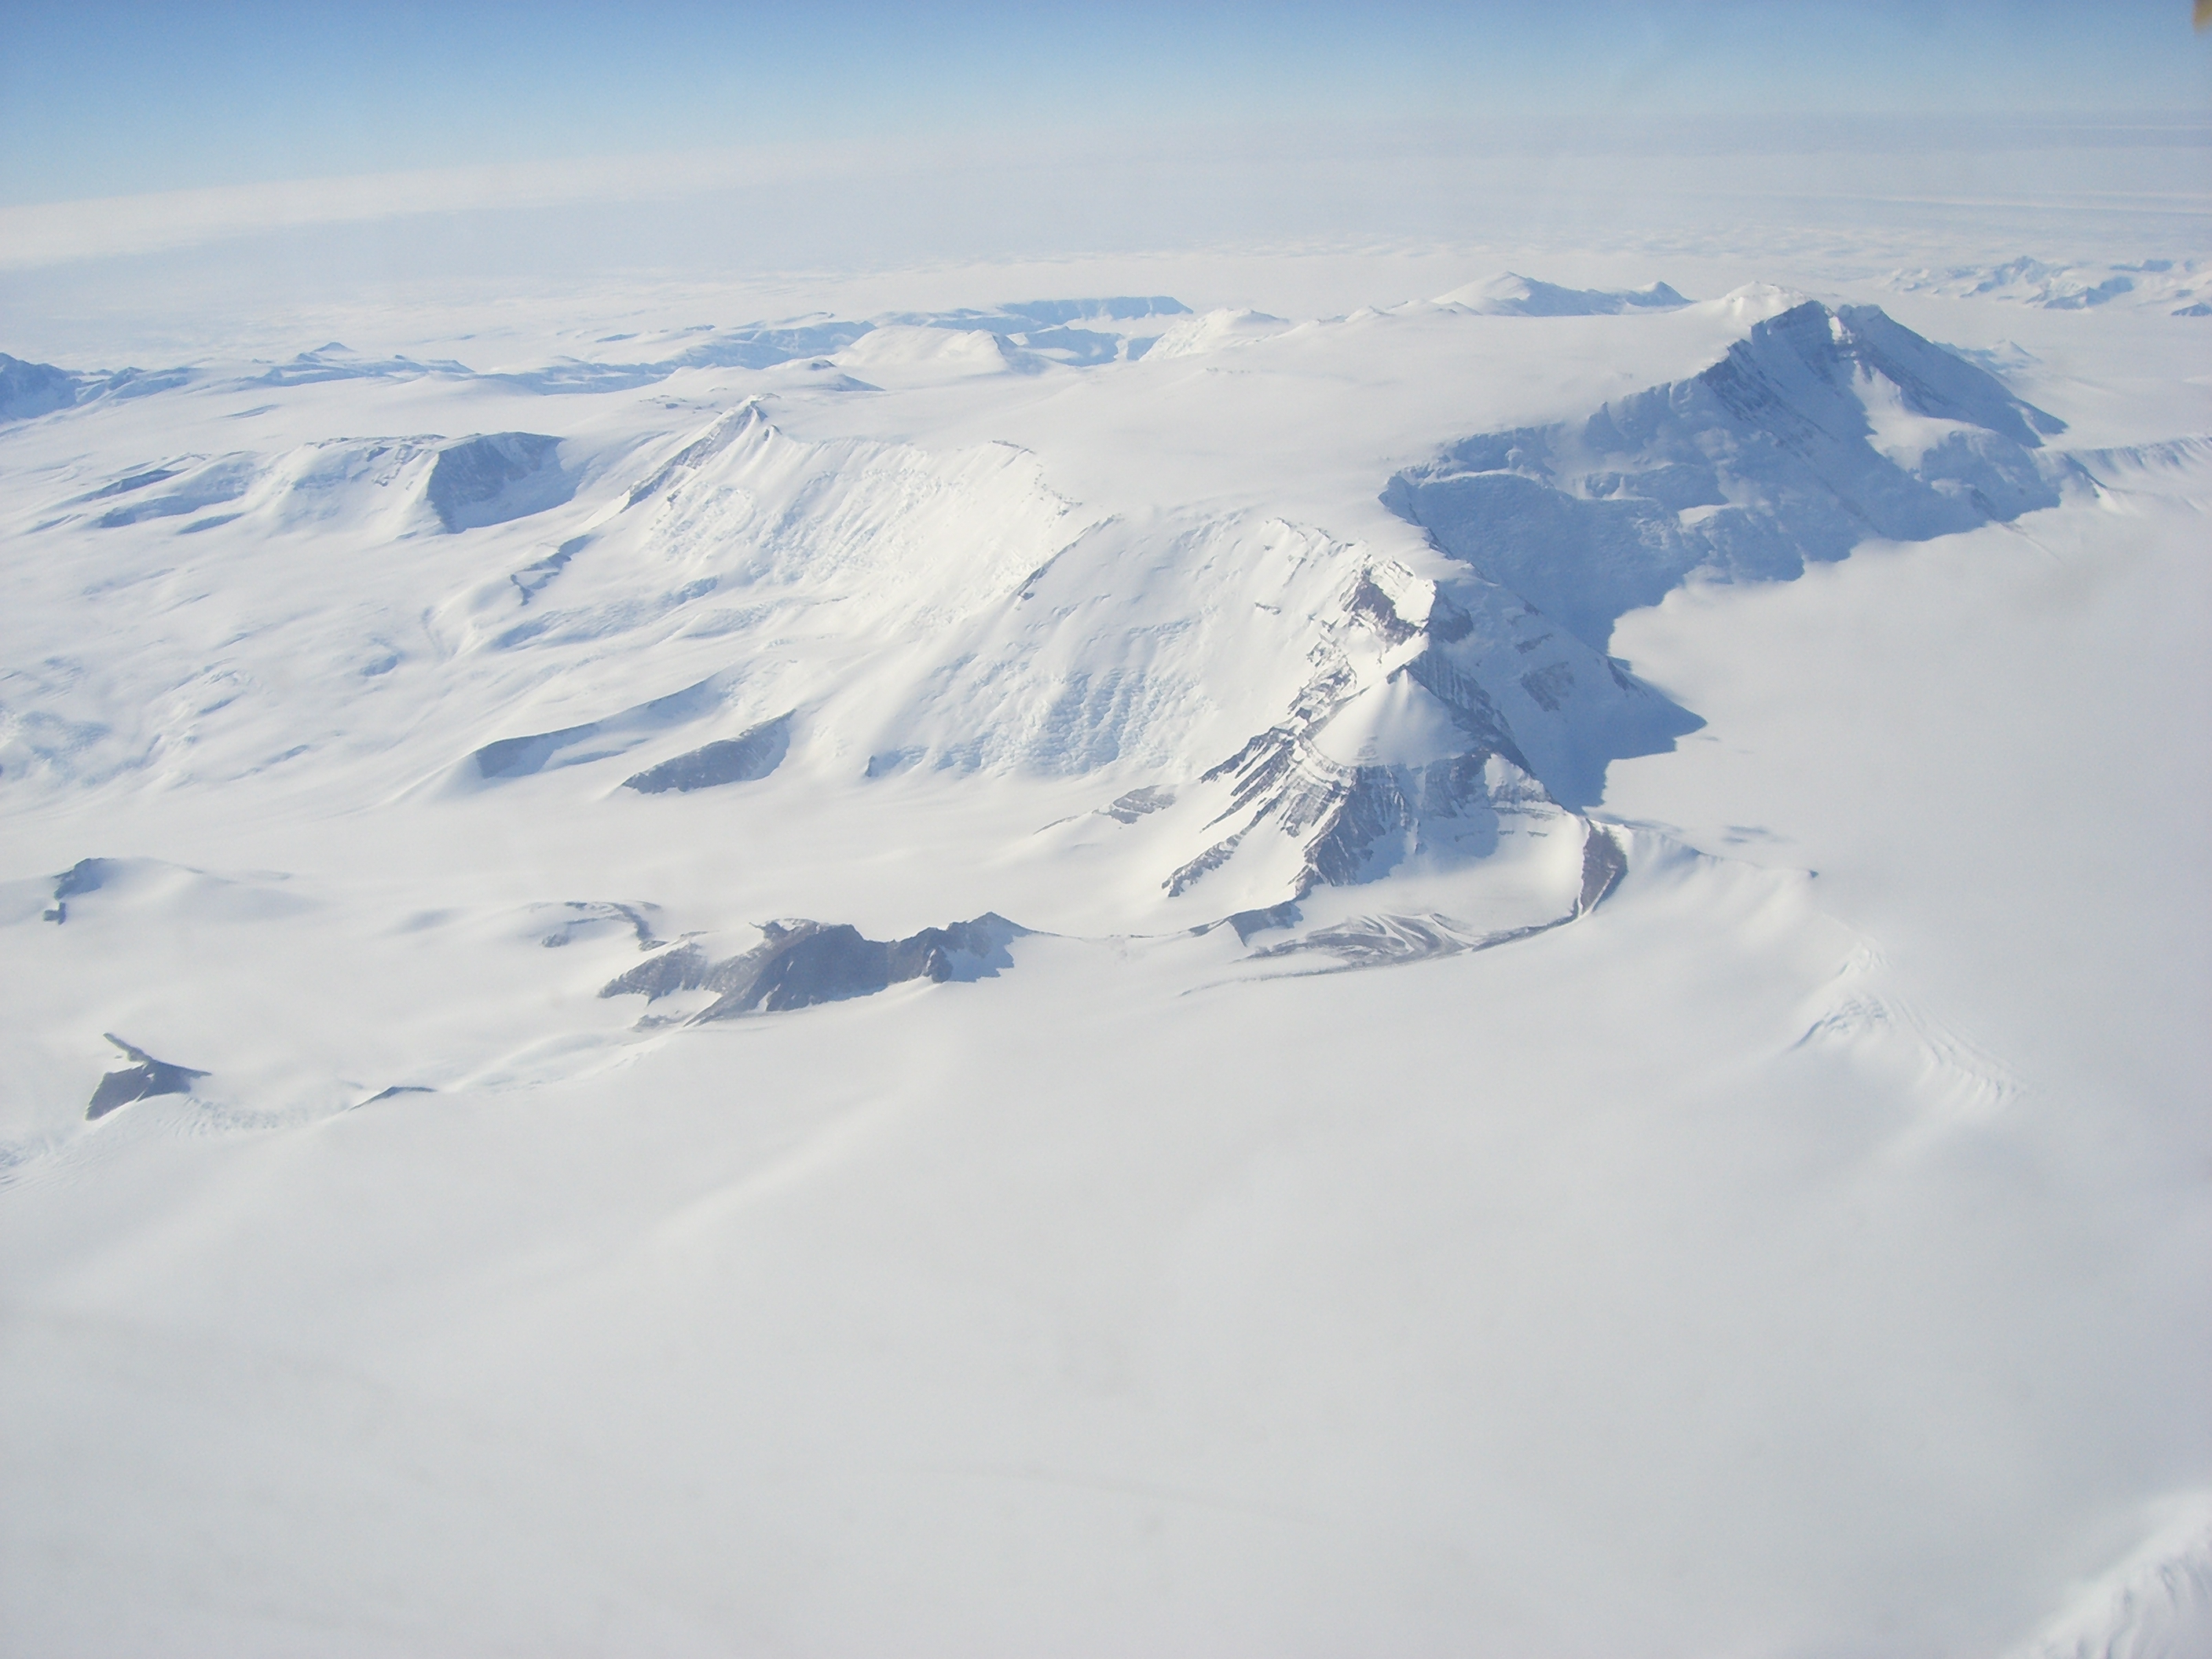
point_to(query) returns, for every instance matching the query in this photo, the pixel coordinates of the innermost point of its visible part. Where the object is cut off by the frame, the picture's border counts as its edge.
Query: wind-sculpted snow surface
(517, 757)
(1821, 430)
(1422, 1100)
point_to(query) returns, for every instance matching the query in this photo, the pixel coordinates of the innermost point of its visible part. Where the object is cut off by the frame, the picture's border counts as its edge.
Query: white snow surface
(1672, 1129)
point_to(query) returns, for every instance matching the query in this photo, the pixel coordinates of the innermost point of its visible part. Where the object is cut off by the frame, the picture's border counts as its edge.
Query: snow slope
(1021, 976)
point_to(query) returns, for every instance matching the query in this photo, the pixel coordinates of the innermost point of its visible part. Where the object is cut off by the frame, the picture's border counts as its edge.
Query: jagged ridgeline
(1441, 709)
(1396, 753)
(1822, 429)
(730, 618)
(1390, 721)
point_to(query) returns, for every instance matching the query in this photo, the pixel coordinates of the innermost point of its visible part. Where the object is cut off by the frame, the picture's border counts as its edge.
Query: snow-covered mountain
(1296, 709)
(822, 828)
(1244, 708)
(1820, 430)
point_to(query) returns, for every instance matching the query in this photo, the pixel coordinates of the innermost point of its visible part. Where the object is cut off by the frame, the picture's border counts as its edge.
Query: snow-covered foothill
(1508, 295)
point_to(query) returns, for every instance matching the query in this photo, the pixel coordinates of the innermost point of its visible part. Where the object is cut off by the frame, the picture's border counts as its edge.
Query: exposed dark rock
(1358, 821)
(584, 912)
(687, 968)
(1604, 863)
(801, 963)
(1388, 941)
(1383, 941)
(1249, 922)
(396, 1089)
(1379, 941)
(1127, 809)
(723, 431)
(1376, 608)
(1211, 859)
(745, 758)
(531, 577)
(85, 875)
(147, 1078)
(517, 757)
(1548, 685)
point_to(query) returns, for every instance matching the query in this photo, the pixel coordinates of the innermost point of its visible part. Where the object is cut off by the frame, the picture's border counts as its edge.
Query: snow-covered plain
(1584, 1032)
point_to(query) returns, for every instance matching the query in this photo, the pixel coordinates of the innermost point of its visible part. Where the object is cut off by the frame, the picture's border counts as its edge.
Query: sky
(100, 100)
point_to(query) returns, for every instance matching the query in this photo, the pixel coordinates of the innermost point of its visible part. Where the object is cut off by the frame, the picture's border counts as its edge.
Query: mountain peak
(1818, 429)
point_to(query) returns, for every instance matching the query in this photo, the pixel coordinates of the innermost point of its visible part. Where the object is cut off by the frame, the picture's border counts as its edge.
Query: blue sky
(100, 100)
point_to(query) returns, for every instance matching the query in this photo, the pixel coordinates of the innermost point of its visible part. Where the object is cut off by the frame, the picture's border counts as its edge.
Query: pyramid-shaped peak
(1836, 345)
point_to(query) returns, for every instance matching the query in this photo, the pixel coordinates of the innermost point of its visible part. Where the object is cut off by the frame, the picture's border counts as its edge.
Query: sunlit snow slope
(701, 999)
